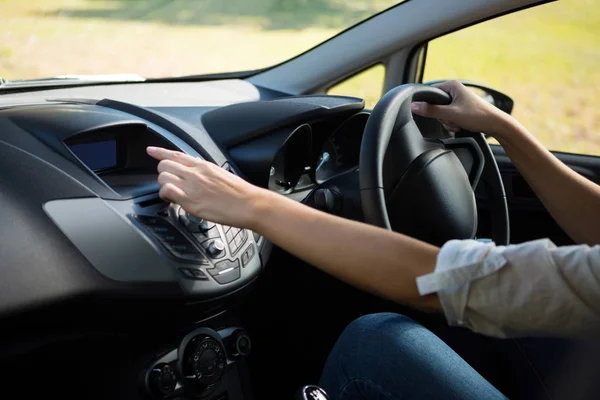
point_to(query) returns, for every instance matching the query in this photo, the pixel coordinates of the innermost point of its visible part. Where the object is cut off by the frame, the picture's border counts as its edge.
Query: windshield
(158, 38)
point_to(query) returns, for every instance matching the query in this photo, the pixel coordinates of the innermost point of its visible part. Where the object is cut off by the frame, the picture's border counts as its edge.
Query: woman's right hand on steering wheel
(467, 111)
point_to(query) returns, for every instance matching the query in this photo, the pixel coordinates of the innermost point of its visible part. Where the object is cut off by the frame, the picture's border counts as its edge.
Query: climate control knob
(204, 361)
(194, 224)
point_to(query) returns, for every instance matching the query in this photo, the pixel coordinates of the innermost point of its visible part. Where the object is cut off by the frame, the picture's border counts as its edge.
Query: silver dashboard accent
(108, 240)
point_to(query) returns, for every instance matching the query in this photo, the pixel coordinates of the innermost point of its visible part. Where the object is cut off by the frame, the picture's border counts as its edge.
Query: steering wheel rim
(392, 116)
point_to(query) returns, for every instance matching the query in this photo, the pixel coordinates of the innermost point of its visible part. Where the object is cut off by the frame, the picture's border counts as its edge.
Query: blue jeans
(388, 357)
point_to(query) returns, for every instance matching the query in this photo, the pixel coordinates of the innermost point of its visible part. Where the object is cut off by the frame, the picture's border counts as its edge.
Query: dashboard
(97, 186)
(103, 198)
(83, 226)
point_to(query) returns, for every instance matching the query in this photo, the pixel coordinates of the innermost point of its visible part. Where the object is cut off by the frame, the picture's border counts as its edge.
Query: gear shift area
(311, 392)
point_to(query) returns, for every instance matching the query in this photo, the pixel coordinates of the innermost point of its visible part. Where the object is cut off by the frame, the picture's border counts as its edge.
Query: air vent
(152, 202)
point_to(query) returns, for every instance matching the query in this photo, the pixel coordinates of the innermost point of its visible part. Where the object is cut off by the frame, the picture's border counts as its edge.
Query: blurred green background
(546, 58)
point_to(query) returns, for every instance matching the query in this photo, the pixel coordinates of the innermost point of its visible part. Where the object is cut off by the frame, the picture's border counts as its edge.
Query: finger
(451, 128)
(173, 167)
(163, 154)
(445, 86)
(429, 110)
(172, 193)
(167, 177)
(449, 86)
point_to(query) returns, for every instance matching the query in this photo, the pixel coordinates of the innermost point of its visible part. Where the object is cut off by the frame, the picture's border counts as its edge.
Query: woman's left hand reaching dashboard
(348, 250)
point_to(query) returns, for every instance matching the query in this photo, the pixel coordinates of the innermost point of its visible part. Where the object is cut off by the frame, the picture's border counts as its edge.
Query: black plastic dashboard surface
(69, 232)
(241, 122)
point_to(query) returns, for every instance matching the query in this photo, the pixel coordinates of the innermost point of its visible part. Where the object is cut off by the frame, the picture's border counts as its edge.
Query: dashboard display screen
(117, 156)
(97, 155)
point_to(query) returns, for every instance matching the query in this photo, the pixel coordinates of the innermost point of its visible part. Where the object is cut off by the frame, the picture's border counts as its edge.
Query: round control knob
(215, 248)
(195, 220)
(163, 379)
(327, 200)
(204, 361)
(192, 223)
(240, 344)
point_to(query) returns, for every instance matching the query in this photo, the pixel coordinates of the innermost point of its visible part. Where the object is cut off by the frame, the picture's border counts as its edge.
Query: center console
(207, 255)
(207, 364)
(150, 241)
(83, 194)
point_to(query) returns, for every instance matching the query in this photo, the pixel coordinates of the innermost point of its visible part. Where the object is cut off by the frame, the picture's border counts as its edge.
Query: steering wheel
(425, 187)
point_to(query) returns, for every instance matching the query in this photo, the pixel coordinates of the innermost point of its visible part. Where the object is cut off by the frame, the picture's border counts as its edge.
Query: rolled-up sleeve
(530, 289)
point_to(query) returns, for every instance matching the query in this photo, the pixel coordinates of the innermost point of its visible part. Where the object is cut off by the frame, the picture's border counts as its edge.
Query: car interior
(109, 292)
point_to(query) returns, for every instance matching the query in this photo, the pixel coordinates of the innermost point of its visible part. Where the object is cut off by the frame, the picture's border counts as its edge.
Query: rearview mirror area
(492, 96)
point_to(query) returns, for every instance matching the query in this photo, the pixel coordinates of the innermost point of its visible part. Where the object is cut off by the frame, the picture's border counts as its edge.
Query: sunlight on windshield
(158, 38)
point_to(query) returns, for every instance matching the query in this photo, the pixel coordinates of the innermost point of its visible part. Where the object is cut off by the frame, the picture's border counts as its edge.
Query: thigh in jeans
(388, 356)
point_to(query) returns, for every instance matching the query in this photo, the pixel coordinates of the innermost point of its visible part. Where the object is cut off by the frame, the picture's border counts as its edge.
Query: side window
(546, 58)
(367, 84)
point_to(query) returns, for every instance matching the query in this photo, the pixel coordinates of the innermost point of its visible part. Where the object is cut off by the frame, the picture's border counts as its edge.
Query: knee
(373, 346)
(377, 340)
(375, 329)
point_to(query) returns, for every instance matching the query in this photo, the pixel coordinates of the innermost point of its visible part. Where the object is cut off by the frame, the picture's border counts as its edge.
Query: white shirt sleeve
(530, 289)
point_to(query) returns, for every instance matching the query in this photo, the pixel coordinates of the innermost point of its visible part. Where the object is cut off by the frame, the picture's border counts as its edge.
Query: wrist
(258, 207)
(500, 125)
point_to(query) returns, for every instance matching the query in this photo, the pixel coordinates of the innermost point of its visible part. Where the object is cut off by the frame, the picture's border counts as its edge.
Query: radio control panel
(205, 251)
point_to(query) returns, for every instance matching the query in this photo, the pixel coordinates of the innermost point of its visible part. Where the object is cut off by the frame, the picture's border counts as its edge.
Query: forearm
(571, 199)
(370, 258)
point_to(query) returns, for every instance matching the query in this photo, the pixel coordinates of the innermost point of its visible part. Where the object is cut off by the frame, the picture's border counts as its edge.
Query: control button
(224, 265)
(239, 344)
(215, 248)
(193, 219)
(207, 358)
(196, 258)
(226, 271)
(199, 274)
(169, 237)
(160, 230)
(173, 240)
(166, 233)
(248, 254)
(163, 379)
(148, 220)
(187, 273)
(237, 240)
(194, 273)
(184, 247)
(228, 276)
(212, 233)
(194, 224)
(229, 236)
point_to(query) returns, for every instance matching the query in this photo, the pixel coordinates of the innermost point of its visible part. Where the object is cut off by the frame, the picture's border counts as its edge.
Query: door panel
(529, 219)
